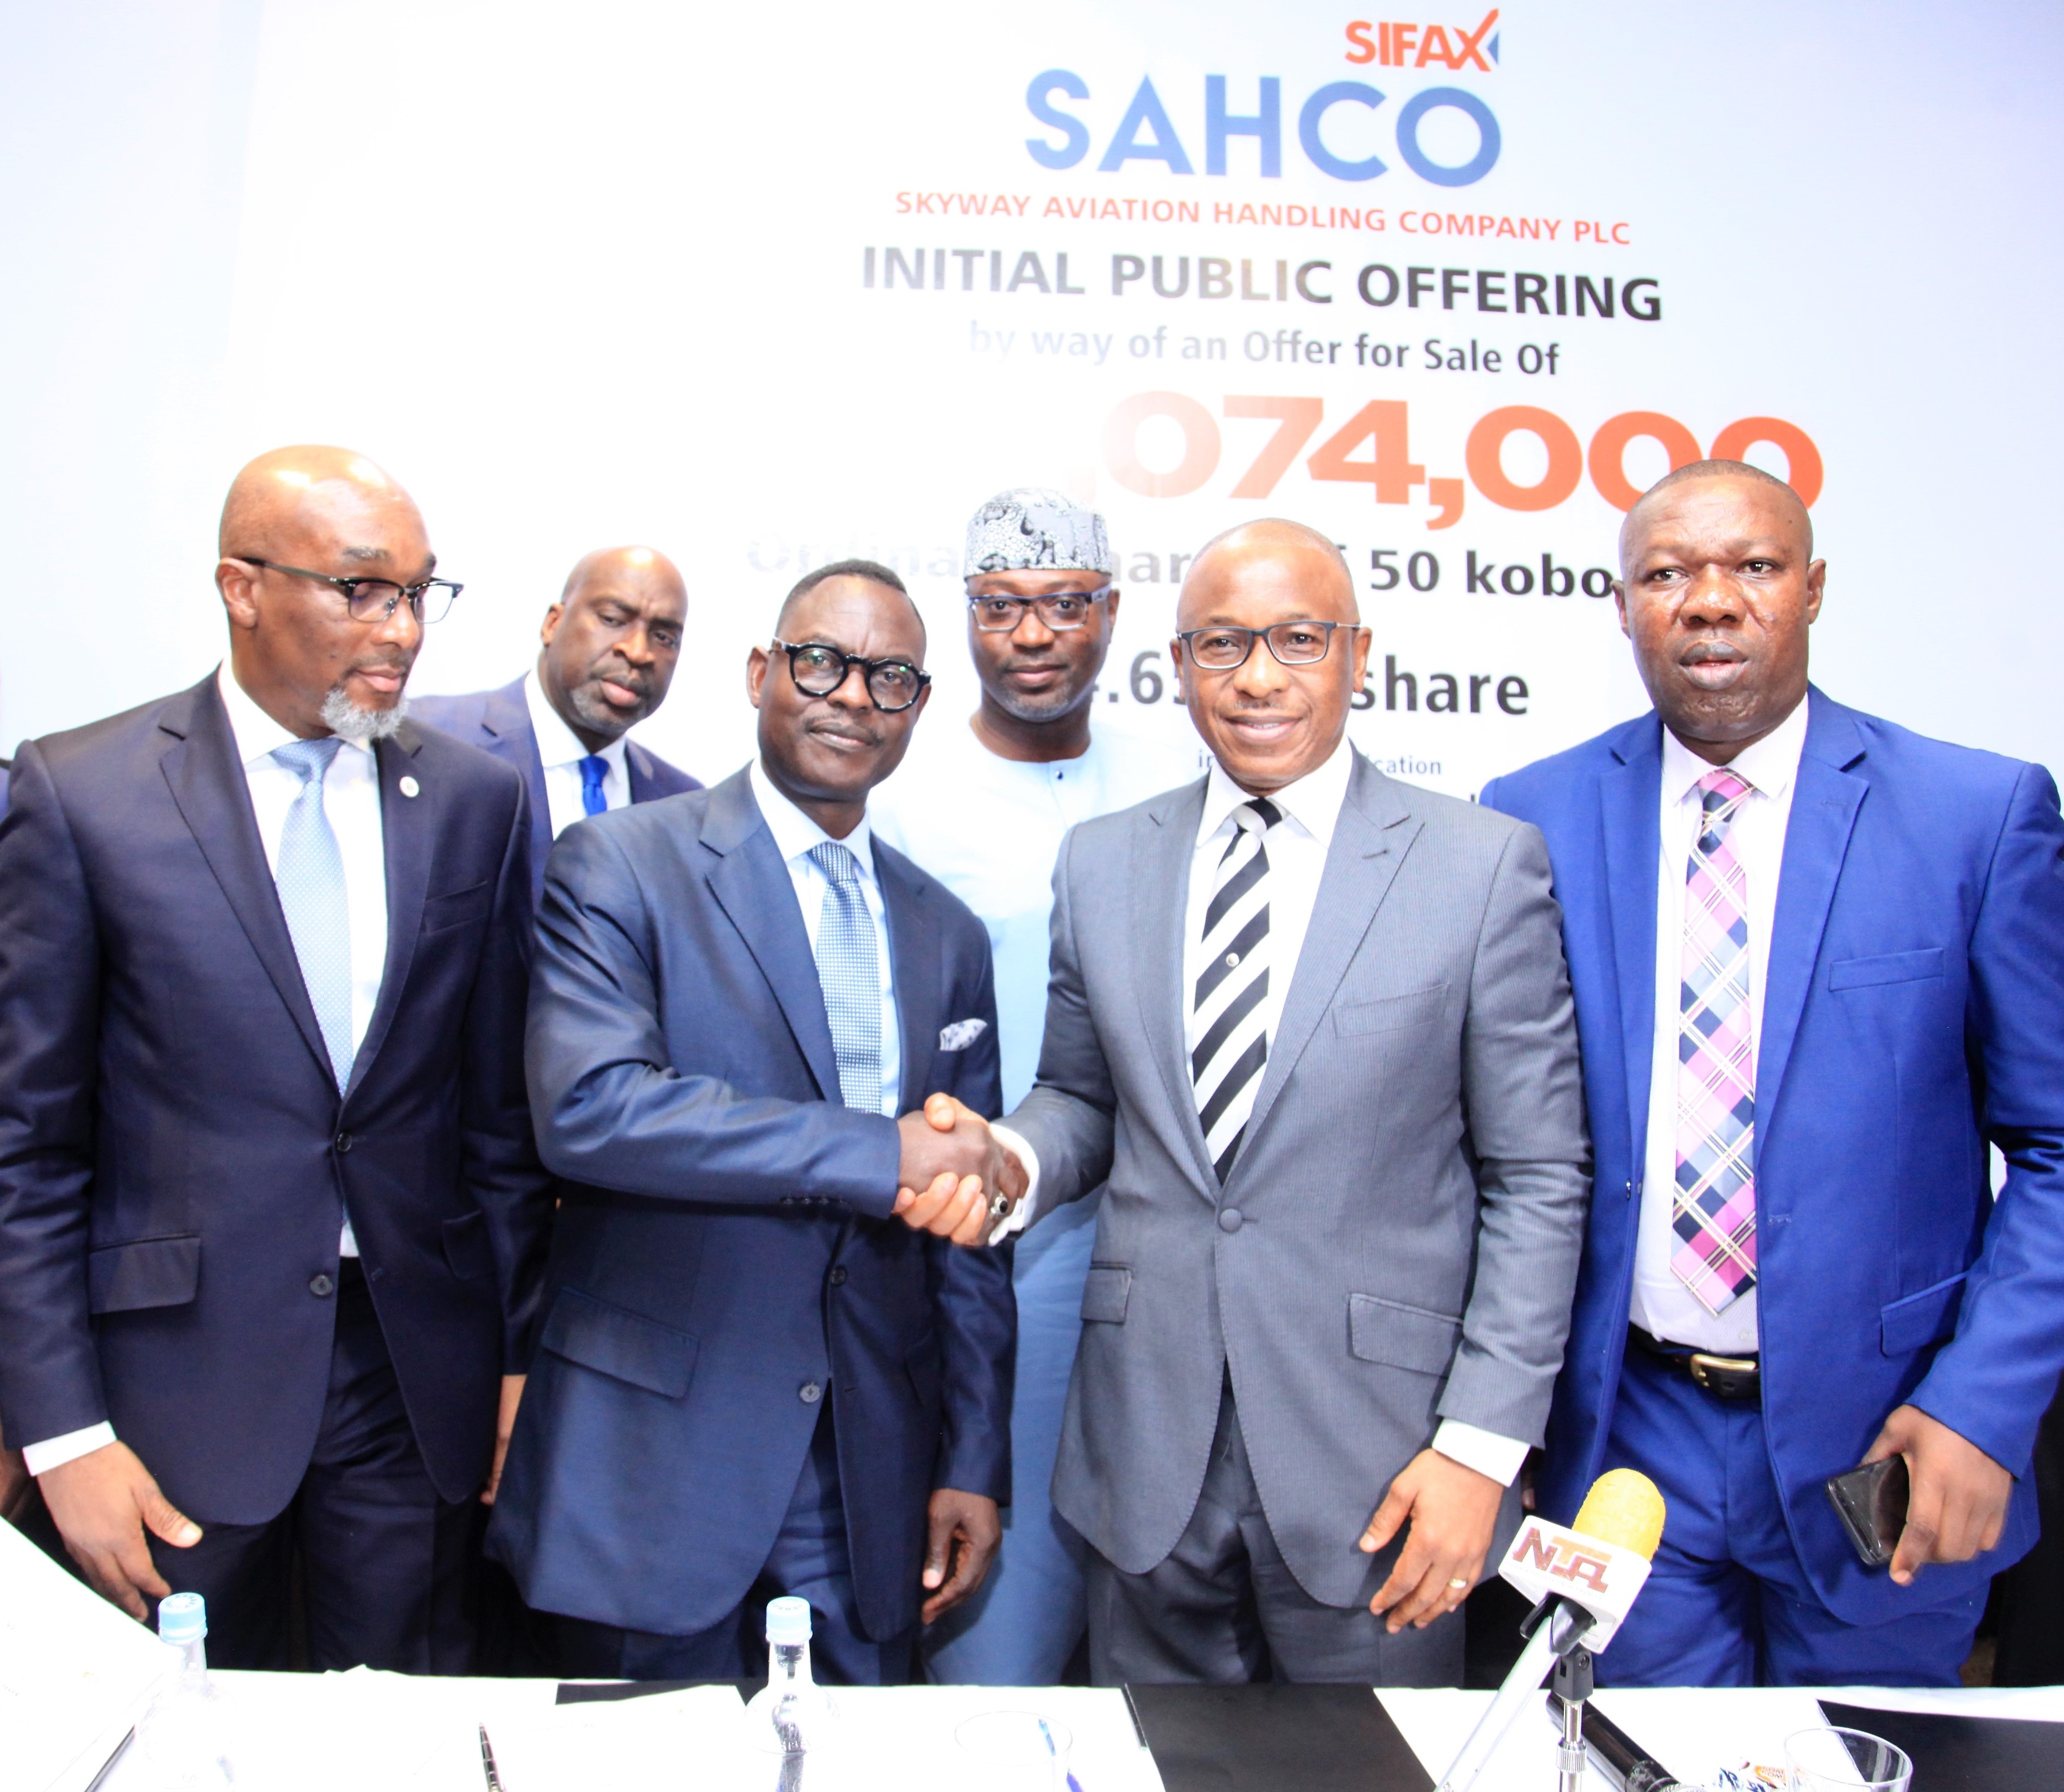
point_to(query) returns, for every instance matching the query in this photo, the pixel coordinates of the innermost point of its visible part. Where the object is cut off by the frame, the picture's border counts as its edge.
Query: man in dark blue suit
(610, 647)
(760, 1373)
(1819, 965)
(271, 1221)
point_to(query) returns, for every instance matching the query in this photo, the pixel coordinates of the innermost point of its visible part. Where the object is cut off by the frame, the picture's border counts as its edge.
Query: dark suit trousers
(386, 1565)
(1224, 1609)
(810, 1560)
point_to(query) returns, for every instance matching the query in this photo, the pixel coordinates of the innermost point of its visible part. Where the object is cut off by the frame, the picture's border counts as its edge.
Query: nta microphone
(1583, 1579)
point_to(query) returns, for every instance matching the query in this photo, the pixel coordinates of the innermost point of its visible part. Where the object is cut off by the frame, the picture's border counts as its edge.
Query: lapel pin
(410, 787)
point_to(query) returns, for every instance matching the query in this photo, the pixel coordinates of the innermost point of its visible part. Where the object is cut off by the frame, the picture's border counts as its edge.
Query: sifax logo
(1563, 1557)
(1394, 45)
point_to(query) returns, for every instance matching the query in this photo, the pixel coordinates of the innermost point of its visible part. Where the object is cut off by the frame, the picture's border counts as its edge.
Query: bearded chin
(348, 721)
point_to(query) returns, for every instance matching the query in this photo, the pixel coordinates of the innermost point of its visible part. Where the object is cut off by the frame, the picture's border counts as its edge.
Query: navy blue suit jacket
(1914, 1013)
(726, 1240)
(498, 721)
(175, 1158)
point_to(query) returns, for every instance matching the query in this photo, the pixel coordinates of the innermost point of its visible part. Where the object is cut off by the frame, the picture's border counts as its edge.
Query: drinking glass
(1826, 1760)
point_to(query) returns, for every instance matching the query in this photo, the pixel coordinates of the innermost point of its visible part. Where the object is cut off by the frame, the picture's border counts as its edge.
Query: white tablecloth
(365, 1732)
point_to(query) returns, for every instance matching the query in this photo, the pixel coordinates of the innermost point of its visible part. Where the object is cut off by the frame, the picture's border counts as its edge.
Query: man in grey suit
(1313, 1028)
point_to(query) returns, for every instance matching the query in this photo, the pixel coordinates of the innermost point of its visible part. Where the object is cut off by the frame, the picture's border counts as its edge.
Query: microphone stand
(1572, 1685)
(1552, 1629)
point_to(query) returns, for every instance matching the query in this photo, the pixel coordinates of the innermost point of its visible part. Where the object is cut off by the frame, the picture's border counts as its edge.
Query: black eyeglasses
(373, 600)
(1058, 610)
(819, 670)
(1223, 649)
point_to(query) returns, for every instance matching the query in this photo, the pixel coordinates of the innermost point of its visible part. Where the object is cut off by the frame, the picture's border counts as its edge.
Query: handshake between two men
(957, 1180)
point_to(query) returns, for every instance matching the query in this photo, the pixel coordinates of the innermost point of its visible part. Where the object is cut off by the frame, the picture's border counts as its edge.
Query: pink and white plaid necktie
(1713, 1212)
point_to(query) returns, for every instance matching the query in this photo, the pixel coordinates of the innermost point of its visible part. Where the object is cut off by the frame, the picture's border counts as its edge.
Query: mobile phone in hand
(1871, 1503)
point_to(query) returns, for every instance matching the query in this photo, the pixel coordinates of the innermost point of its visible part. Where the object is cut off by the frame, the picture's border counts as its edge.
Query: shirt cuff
(1021, 1215)
(55, 1452)
(1484, 1451)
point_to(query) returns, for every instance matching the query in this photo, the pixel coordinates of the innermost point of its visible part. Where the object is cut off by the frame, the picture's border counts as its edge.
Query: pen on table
(1074, 1785)
(487, 1762)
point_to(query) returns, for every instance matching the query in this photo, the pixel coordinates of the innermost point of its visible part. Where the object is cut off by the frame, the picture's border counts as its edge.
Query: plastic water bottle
(792, 1715)
(182, 1733)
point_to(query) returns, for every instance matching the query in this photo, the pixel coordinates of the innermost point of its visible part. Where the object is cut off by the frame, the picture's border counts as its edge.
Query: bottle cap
(182, 1617)
(788, 1620)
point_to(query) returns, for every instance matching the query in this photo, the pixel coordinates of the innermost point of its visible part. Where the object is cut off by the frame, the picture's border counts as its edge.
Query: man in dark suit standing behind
(757, 1375)
(270, 1216)
(610, 644)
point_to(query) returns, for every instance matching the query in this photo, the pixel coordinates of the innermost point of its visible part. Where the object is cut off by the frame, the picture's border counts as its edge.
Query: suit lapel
(505, 719)
(208, 783)
(1630, 803)
(914, 958)
(1817, 839)
(408, 833)
(752, 887)
(1162, 849)
(635, 774)
(1371, 838)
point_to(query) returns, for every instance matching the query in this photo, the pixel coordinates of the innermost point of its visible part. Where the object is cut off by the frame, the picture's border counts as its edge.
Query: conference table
(400, 1733)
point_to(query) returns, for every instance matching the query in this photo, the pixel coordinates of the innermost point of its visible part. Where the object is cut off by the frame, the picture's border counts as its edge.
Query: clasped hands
(953, 1166)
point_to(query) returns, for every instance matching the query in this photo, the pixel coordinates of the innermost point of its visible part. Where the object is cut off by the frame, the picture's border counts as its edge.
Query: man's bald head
(1312, 559)
(296, 520)
(1699, 470)
(612, 640)
(292, 495)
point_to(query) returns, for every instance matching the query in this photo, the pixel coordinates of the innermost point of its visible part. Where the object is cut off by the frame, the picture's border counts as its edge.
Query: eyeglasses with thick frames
(1058, 610)
(374, 600)
(819, 670)
(1227, 649)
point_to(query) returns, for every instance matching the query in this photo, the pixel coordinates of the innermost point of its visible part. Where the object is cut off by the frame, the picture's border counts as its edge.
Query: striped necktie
(849, 972)
(309, 875)
(1713, 1210)
(1228, 1030)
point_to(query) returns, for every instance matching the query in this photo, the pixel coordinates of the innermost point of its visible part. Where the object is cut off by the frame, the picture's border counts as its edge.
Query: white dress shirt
(794, 835)
(1296, 847)
(1662, 1305)
(559, 747)
(990, 828)
(351, 800)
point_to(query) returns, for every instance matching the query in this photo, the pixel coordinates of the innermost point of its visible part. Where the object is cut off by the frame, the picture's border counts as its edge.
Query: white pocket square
(960, 1035)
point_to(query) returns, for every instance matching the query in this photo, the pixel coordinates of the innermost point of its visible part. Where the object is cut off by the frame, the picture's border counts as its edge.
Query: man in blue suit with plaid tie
(609, 646)
(760, 1373)
(1819, 964)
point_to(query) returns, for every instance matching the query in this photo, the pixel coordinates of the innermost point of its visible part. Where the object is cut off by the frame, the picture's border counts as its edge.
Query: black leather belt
(1725, 1378)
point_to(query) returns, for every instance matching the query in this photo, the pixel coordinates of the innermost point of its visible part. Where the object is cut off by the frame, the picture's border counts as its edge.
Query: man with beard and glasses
(1819, 965)
(1041, 611)
(610, 645)
(271, 1221)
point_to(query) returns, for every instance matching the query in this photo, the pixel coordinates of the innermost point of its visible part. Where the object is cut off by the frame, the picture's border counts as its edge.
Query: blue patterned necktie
(849, 971)
(593, 770)
(310, 877)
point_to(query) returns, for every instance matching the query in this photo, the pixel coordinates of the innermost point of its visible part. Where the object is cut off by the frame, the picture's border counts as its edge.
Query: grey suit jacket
(1398, 1240)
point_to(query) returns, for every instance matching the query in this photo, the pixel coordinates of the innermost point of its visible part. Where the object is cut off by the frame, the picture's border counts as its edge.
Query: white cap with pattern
(1031, 530)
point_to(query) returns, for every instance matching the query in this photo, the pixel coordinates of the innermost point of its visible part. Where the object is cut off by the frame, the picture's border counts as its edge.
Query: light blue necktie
(310, 877)
(849, 971)
(593, 770)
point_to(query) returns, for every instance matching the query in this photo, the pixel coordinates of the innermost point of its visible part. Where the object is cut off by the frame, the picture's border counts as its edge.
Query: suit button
(344, 1142)
(809, 1393)
(322, 1287)
(838, 1275)
(1231, 1220)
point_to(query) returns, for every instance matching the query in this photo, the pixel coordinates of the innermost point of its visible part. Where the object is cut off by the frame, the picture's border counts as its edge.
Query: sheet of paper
(1693, 1732)
(75, 1674)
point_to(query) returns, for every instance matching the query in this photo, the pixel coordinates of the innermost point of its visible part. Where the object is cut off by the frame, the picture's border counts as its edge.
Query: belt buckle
(1704, 1364)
